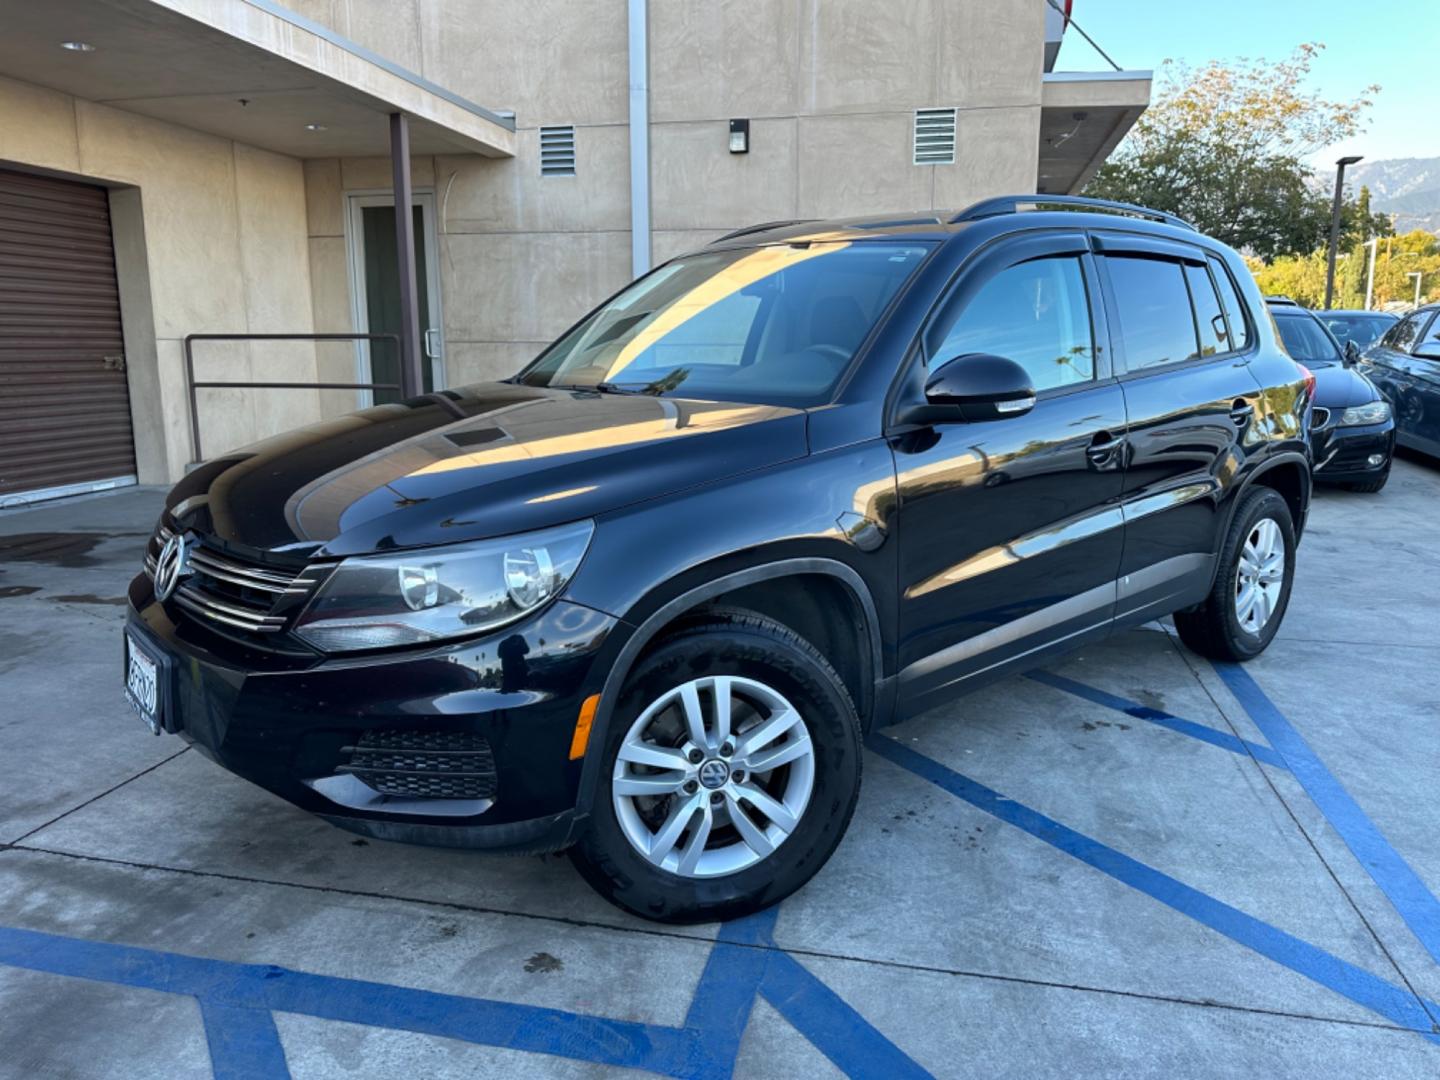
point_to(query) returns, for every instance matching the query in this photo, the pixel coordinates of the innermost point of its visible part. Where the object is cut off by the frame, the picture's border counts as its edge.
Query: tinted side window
(1036, 313)
(1402, 335)
(1153, 304)
(1230, 300)
(1209, 319)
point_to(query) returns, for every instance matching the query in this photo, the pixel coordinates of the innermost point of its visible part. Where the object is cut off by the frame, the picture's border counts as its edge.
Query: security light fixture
(77, 46)
(739, 136)
(1351, 160)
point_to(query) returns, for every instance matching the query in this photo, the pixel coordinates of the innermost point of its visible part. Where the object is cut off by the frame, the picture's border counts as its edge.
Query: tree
(1224, 147)
(1302, 277)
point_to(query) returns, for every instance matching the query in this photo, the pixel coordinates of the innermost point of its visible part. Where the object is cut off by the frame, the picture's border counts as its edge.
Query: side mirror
(980, 386)
(1429, 350)
(1352, 353)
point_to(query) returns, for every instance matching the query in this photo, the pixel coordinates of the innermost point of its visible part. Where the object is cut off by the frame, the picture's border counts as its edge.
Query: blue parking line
(244, 1044)
(1396, 1005)
(1204, 733)
(1415, 903)
(237, 1001)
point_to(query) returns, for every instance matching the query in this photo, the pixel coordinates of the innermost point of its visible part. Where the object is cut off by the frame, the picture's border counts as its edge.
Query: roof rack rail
(1014, 204)
(762, 227)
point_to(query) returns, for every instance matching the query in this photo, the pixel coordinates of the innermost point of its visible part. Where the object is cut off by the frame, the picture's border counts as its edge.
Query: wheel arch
(653, 626)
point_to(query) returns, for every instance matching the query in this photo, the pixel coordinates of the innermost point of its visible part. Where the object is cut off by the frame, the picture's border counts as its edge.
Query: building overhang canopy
(1083, 117)
(252, 71)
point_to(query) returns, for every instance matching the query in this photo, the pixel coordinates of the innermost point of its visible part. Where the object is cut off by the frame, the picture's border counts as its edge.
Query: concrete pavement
(1134, 863)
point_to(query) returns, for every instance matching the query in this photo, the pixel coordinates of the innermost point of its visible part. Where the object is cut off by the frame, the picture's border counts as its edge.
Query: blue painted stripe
(1361, 987)
(725, 994)
(1410, 896)
(221, 983)
(244, 1044)
(838, 1031)
(1223, 739)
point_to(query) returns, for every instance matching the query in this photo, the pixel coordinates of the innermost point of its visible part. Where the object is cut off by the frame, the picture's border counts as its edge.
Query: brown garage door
(64, 404)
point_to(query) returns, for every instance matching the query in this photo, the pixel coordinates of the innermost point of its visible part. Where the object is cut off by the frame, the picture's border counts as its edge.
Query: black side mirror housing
(1352, 353)
(977, 386)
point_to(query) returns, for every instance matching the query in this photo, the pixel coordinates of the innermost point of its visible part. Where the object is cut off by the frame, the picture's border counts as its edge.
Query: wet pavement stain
(7, 591)
(87, 598)
(542, 963)
(69, 550)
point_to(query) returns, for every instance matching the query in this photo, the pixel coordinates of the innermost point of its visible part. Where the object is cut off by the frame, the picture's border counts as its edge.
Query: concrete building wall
(214, 243)
(829, 86)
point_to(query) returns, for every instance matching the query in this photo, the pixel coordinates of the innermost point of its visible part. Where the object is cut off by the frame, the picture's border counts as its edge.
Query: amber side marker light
(582, 727)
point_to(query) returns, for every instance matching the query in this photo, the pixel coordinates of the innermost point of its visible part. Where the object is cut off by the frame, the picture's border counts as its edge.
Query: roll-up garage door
(64, 403)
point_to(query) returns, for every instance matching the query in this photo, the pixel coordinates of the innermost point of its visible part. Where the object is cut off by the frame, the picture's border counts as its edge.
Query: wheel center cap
(714, 774)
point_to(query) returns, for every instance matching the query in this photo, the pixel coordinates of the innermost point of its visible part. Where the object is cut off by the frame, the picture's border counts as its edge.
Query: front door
(1010, 529)
(375, 277)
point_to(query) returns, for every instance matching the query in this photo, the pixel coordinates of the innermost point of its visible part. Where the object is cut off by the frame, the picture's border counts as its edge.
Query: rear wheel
(731, 769)
(1252, 587)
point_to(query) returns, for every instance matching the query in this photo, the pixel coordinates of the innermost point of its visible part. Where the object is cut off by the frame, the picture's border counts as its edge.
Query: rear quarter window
(1233, 305)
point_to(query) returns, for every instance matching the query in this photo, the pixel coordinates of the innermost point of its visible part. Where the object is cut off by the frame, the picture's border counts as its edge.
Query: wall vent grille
(934, 136)
(557, 150)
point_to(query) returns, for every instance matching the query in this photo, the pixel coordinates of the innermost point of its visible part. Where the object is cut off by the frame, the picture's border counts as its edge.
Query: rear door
(64, 400)
(1423, 414)
(1397, 373)
(1010, 529)
(1193, 409)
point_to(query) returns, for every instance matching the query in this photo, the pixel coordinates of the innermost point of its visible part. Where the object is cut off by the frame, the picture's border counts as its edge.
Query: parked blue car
(1405, 366)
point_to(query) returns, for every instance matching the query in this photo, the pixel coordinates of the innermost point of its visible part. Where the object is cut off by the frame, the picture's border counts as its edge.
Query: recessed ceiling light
(77, 46)
(314, 127)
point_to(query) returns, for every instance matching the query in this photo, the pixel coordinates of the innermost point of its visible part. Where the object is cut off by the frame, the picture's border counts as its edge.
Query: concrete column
(412, 384)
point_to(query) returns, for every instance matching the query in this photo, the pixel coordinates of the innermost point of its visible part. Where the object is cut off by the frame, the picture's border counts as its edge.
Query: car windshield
(776, 324)
(1364, 330)
(1305, 340)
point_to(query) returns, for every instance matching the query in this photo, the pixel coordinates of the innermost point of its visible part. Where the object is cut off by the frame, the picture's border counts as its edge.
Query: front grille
(232, 593)
(423, 764)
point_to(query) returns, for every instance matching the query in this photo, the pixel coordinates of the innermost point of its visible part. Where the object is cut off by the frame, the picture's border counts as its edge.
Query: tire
(763, 666)
(1215, 628)
(1372, 485)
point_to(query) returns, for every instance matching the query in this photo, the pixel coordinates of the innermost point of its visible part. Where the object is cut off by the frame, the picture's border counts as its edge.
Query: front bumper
(291, 723)
(1342, 454)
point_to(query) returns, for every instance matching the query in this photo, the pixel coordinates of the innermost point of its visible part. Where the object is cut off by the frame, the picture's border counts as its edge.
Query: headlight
(432, 594)
(1377, 412)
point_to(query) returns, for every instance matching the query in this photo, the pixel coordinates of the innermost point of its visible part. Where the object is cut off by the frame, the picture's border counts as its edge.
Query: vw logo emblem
(714, 774)
(172, 565)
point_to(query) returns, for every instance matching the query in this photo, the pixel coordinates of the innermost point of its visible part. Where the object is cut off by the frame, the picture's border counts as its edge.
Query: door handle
(1241, 412)
(432, 343)
(1104, 447)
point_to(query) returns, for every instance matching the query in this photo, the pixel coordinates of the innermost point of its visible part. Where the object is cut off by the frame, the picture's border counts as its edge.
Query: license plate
(142, 685)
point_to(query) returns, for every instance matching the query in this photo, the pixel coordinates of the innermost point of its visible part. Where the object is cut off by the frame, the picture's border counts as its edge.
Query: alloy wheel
(1260, 577)
(713, 776)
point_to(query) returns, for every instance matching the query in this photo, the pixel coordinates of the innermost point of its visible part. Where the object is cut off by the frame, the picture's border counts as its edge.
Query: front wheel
(731, 769)
(1252, 587)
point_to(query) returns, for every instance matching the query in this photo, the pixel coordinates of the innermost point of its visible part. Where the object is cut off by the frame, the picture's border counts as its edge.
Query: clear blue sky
(1395, 43)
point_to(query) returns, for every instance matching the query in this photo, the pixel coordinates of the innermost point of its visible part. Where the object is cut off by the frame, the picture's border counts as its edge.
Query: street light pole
(1335, 224)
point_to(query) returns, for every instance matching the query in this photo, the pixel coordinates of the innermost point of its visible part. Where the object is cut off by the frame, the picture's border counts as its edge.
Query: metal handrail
(192, 386)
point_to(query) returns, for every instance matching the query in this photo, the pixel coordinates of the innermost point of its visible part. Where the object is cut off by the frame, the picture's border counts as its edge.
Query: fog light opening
(1375, 460)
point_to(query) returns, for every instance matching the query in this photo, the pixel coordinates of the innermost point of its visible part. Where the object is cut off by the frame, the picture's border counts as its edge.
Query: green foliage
(1224, 146)
(1302, 277)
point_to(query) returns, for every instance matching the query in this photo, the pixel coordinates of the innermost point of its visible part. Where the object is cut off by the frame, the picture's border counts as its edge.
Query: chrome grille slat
(246, 618)
(219, 566)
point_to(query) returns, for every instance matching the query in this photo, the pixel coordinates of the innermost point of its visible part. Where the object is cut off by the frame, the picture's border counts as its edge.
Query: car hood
(486, 460)
(1339, 387)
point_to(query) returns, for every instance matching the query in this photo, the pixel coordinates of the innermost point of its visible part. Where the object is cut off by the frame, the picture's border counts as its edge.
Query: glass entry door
(375, 284)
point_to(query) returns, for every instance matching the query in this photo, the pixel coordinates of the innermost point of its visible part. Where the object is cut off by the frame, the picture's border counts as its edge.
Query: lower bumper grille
(423, 764)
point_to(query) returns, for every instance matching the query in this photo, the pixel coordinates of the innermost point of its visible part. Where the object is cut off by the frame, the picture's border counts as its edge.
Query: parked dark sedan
(1405, 365)
(1364, 328)
(1352, 430)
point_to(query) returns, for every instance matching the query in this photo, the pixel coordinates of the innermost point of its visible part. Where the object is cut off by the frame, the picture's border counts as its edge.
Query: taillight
(1309, 382)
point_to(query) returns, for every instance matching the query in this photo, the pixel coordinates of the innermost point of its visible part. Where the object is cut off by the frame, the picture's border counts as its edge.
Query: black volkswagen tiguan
(644, 599)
